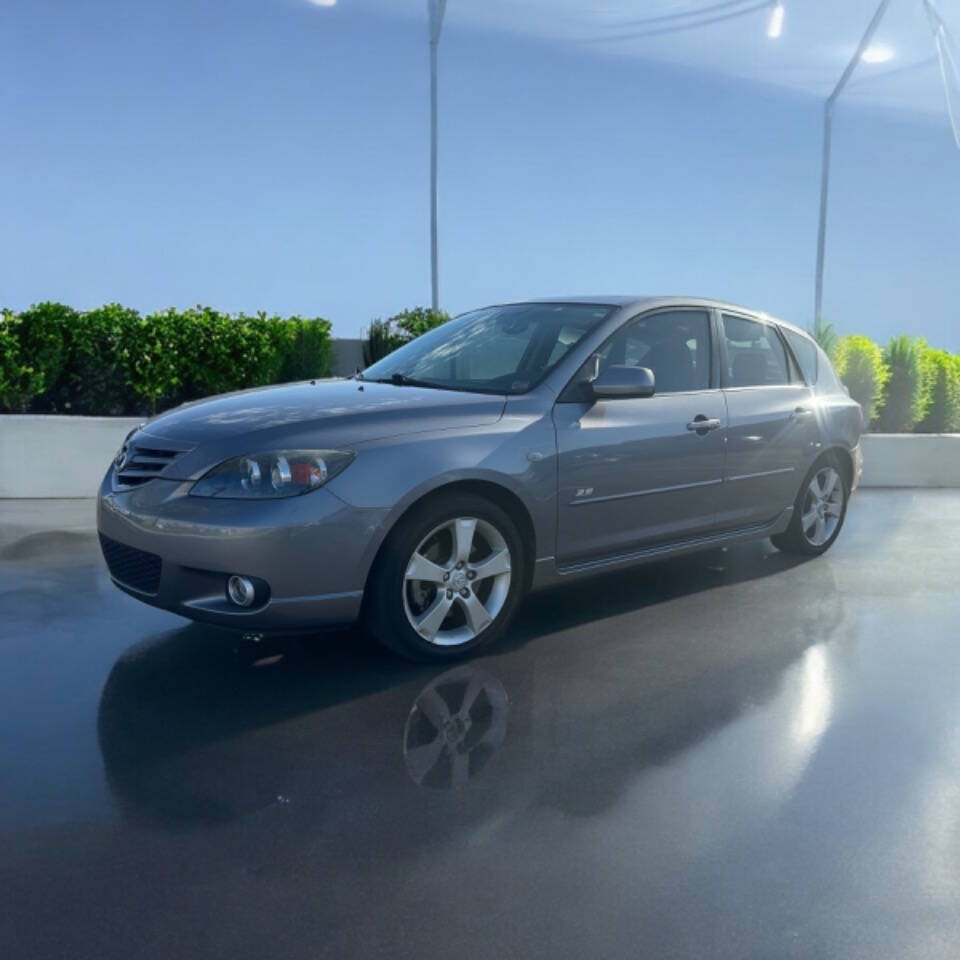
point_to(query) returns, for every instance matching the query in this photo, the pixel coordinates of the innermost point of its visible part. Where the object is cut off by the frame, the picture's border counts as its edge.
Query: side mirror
(623, 383)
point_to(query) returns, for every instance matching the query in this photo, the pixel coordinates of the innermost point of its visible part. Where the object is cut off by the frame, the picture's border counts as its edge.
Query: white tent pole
(825, 162)
(946, 53)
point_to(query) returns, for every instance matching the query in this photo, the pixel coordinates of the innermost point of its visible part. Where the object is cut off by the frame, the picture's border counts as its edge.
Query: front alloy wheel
(448, 578)
(457, 581)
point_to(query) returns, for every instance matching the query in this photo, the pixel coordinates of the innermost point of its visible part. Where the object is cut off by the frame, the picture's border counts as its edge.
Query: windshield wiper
(402, 380)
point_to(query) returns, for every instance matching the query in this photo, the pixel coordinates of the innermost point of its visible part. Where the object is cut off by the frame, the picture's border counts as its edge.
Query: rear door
(636, 471)
(771, 427)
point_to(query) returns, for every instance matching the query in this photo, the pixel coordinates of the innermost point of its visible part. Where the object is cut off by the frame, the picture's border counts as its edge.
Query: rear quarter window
(827, 379)
(805, 352)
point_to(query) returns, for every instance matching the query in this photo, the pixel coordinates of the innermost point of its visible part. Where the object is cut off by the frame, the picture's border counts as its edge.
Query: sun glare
(878, 53)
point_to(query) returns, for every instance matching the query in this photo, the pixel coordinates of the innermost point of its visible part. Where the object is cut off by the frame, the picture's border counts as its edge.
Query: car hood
(323, 412)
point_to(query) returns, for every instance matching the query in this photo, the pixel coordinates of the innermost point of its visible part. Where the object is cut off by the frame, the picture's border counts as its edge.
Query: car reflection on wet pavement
(456, 723)
(730, 755)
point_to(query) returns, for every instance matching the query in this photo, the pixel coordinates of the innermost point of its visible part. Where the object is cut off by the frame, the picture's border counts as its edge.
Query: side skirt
(547, 573)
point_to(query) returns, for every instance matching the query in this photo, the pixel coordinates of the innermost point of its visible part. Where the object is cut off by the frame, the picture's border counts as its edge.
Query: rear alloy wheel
(818, 512)
(448, 581)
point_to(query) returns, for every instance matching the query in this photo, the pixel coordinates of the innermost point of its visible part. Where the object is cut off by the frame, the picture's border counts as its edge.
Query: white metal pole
(436, 10)
(949, 68)
(825, 162)
(822, 227)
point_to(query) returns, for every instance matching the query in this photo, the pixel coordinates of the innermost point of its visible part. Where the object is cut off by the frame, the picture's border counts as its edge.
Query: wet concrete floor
(732, 755)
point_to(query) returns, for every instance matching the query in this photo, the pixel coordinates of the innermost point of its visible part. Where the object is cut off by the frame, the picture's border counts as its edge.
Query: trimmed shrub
(306, 349)
(96, 374)
(417, 321)
(19, 381)
(44, 335)
(155, 348)
(232, 353)
(942, 376)
(826, 336)
(906, 394)
(384, 336)
(114, 361)
(859, 364)
(237, 352)
(379, 341)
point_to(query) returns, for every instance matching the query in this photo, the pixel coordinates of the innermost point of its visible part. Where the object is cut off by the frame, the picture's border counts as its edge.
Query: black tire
(388, 595)
(794, 539)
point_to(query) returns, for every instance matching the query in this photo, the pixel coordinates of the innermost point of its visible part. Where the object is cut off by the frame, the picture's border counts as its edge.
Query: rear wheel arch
(795, 538)
(844, 460)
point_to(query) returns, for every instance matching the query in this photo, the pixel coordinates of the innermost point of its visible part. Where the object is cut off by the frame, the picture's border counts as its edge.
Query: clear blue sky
(265, 154)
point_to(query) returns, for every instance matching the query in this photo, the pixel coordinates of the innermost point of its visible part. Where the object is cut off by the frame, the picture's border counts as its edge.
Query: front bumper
(312, 553)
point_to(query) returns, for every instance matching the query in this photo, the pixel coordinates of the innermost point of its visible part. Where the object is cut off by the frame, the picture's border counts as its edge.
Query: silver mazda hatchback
(515, 447)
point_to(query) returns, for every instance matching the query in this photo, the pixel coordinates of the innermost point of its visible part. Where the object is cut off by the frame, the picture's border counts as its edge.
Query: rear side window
(827, 379)
(755, 354)
(805, 350)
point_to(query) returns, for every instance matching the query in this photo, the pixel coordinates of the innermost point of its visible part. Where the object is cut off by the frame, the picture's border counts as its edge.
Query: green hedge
(113, 360)
(907, 386)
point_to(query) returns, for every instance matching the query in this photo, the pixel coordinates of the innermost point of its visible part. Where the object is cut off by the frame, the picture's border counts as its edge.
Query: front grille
(141, 464)
(131, 567)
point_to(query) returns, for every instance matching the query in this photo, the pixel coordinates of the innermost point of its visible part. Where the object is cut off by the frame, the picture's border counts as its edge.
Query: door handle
(703, 425)
(802, 412)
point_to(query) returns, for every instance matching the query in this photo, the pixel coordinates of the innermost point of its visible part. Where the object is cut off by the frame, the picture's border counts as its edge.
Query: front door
(636, 471)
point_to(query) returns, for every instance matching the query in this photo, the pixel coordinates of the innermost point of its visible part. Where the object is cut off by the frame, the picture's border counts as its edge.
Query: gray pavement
(733, 755)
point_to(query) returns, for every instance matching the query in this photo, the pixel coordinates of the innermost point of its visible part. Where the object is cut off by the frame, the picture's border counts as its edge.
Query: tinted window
(505, 349)
(755, 354)
(674, 345)
(805, 350)
(827, 379)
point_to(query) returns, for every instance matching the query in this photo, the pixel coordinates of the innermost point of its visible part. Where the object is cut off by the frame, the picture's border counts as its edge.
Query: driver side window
(674, 344)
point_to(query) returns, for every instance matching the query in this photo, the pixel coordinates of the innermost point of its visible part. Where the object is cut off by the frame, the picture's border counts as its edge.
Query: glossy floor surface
(733, 755)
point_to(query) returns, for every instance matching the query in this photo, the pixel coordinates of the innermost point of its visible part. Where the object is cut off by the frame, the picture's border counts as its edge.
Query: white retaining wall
(51, 456)
(911, 459)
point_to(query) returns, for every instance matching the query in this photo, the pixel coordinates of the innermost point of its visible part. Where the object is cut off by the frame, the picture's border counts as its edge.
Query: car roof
(649, 302)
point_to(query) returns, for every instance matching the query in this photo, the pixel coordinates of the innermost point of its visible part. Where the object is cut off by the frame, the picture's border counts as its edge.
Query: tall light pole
(825, 161)
(435, 10)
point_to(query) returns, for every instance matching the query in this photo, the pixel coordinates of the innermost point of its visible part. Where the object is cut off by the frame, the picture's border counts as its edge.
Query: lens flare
(878, 53)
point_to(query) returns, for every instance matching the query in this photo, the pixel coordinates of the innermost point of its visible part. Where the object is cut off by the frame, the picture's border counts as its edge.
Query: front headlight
(258, 476)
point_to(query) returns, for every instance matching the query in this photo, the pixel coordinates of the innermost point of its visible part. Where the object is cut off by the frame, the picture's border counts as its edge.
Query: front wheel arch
(389, 620)
(504, 498)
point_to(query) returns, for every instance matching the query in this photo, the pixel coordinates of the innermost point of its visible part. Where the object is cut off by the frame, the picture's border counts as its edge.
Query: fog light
(240, 591)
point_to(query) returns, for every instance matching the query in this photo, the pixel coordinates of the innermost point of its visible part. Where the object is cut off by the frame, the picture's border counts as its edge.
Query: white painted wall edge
(64, 457)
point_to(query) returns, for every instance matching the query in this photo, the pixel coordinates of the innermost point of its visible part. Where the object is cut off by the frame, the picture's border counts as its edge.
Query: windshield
(506, 349)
